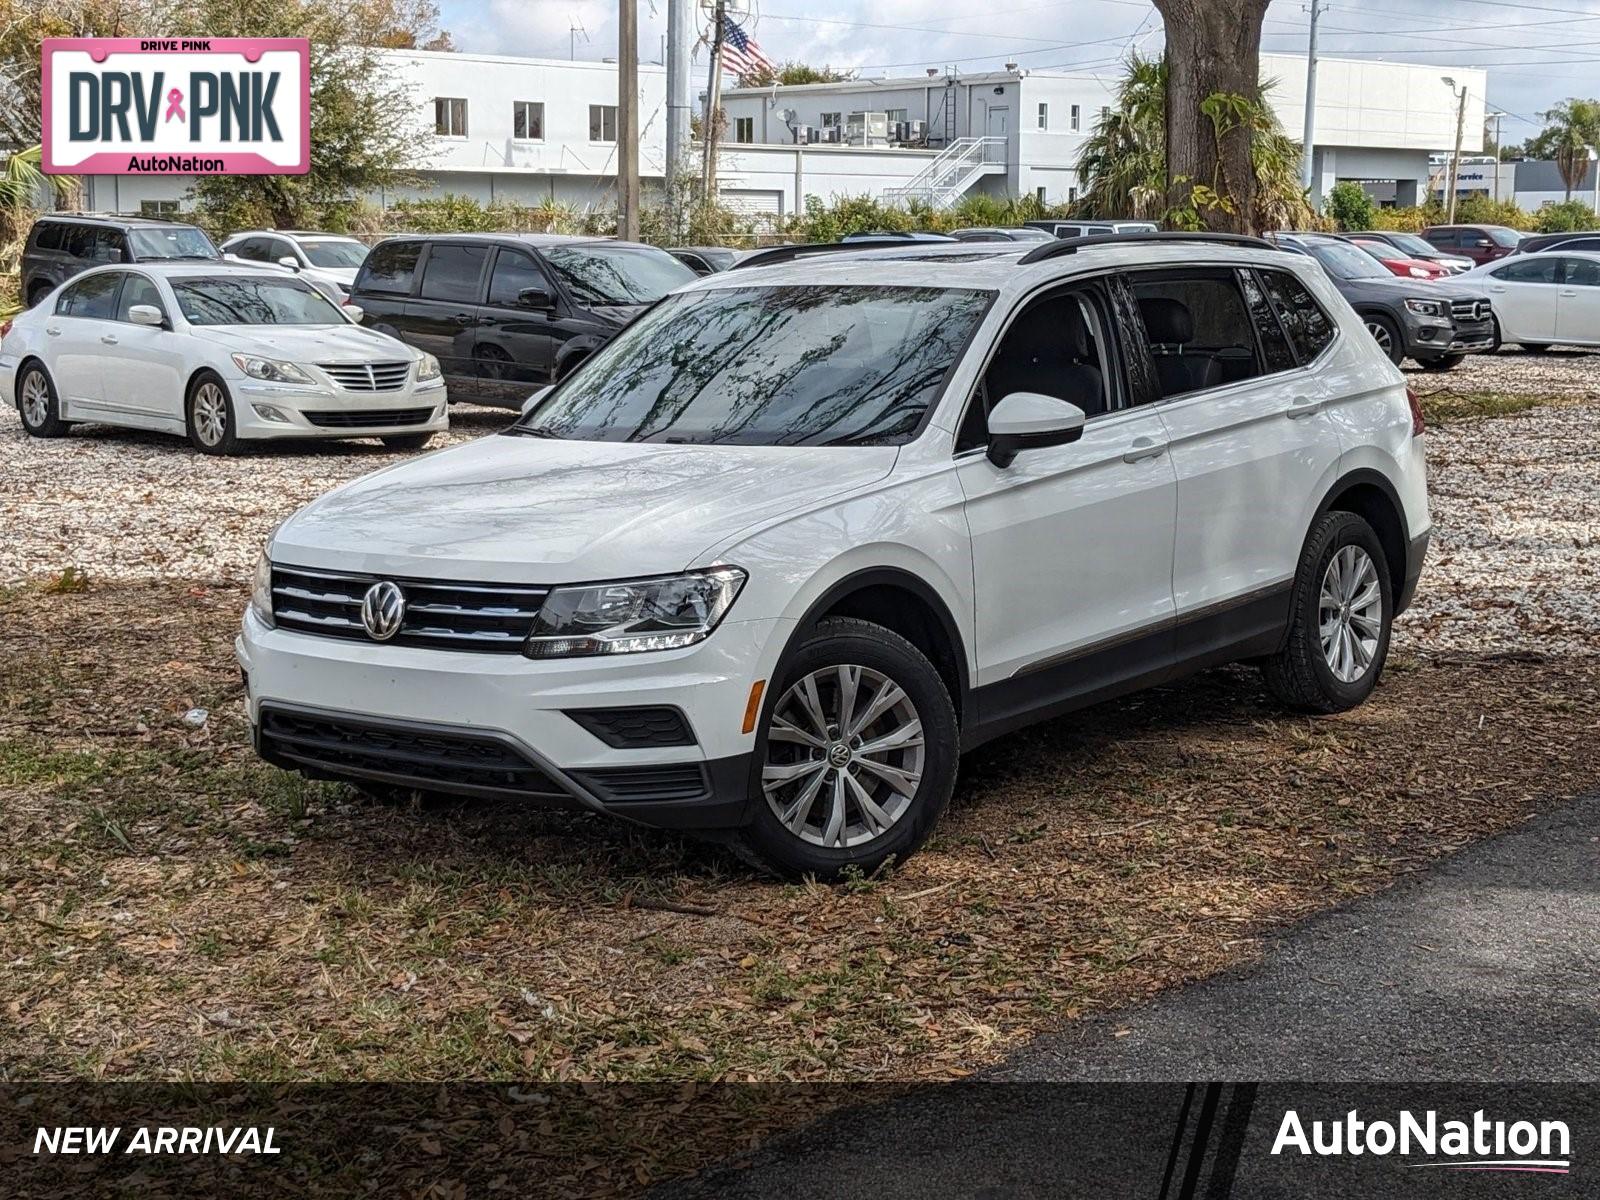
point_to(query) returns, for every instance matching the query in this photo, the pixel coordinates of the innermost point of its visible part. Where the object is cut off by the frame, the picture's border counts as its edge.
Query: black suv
(506, 313)
(1437, 323)
(1543, 242)
(60, 246)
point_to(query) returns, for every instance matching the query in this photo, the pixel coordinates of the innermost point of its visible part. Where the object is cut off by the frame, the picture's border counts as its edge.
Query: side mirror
(1030, 421)
(535, 298)
(290, 261)
(354, 311)
(532, 401)
(146, 314)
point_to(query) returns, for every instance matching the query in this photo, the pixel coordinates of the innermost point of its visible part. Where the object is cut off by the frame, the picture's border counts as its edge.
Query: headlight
(261, 591)
(270, 369)
(626, 618)
(428, 367)
(1428, 308)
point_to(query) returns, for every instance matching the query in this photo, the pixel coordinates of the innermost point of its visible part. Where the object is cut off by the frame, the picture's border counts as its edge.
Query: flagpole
(708, 133)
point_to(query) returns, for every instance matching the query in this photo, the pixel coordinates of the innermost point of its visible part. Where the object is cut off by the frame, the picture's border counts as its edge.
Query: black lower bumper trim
(1416, 554)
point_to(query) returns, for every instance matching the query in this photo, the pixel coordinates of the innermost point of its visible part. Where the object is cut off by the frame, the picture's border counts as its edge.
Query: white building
(529, 130)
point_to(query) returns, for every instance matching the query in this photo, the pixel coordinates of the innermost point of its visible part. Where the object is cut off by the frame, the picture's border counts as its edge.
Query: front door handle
(1303, 406)
(463, 318)
(1144, 448)
(1497, 289)
(109, 339)
(52, 332)
(1569, 295)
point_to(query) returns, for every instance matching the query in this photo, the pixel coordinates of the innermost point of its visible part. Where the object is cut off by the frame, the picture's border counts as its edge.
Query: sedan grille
(369, 418)
(369, 377)
(416, 756)
(492, 617)
(1469, 310)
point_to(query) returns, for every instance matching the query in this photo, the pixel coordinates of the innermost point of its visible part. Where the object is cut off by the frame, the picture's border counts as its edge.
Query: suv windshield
(1502, 236)
(1410, 243)
(242, 300)
(601, 273)
(798, 365)
(1347, 261)
(173, 241)
(334, 252)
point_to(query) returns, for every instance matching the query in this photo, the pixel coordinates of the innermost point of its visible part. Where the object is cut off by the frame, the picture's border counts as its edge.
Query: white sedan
(1542, 299)
(218, 352)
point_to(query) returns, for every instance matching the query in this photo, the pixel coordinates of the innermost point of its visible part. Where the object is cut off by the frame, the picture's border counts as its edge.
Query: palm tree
(1123, 167)
(1572, 130)
(22, 184)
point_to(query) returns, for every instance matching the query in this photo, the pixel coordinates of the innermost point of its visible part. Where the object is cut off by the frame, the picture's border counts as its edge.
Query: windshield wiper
(537, 431)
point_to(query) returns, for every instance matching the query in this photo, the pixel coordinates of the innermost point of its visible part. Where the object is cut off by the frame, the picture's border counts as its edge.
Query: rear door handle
(1569, 295)
(1303, 406)
(52, 332)
(109, 339)
(463, 318)
(1144, 448)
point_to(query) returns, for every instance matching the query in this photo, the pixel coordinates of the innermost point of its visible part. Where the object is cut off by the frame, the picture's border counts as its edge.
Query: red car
(1400, 263)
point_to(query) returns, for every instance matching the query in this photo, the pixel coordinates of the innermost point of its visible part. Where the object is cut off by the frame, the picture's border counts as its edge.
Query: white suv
(806, 530)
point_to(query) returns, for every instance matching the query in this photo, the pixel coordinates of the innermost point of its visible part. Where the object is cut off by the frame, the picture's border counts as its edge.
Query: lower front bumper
(265, 410)
(426, 756)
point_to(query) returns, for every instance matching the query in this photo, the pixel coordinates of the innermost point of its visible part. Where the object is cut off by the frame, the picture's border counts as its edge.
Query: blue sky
(1537, 52)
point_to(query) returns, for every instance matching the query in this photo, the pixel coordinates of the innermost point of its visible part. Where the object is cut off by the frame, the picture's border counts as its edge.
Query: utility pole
(1455, 159)
(708, 133)
(628, 120)
(1308, 138)
(1495, 117)
(679, 24)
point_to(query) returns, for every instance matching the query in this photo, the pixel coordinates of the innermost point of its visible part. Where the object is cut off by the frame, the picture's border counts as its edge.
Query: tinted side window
(138, 289)
(252, 249)
(1198, 328)
(49, 236)
(513, 272)
(94, 297)
(1528, 270)
(1580, 272)
(391, 268)
(109, 246)
(1309, 328)
(452, 272)
(1276, 353)
(78, 240)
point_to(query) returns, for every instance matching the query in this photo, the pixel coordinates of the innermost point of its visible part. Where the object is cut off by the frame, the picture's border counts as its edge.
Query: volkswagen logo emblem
(383, 609)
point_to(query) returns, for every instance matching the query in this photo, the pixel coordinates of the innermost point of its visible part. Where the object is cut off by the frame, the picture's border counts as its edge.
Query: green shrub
(1349, 206)
(1570, 216)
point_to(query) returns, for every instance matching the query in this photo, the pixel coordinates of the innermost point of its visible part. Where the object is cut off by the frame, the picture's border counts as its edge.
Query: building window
(602, 122)
(1077, 120)
(744, 129)
(831, 120)
(527, 121)
(1044, 116)
(1105, 113)
(450, 117)
(895, 115)
(158, 208)
(1039, 192)
(1072, 195)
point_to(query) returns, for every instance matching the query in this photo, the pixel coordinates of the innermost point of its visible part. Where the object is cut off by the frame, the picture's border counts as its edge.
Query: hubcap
(1350, 615)
(1381, 336)
(844, 756)
(35, 399)
(210, 413)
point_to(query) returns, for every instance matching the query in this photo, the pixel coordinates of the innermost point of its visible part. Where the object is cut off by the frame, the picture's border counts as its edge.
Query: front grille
(369, 418)
(346, 747)
(1469, 310)
(369, 377)
(624, 785)
(635, 728)
(452, 616)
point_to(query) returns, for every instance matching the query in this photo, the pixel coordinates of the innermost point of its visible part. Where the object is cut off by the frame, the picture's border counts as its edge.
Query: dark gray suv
(60, 246)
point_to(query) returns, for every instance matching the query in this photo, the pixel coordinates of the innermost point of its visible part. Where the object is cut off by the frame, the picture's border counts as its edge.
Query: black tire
(37, 291)
(42, 422)
(226, 441)
(568, 367)
(1299, 674)
(406, 441)
(1387, 334)
(1496, 343)
(838, 641)
(1445, 362)
(1535, 347)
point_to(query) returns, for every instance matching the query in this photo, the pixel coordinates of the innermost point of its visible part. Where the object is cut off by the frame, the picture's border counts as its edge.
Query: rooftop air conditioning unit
(833, 134)
(916, 131)
(813, 134)
(802, 134)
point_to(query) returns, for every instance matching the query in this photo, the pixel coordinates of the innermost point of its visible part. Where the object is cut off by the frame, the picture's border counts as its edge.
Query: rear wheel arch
(1373, 498)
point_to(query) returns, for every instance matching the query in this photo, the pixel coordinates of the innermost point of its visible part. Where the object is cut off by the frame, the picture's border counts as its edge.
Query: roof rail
(1071, 245)
(783, 254)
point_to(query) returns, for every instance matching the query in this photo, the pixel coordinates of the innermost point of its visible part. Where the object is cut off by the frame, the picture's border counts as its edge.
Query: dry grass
(172, 909)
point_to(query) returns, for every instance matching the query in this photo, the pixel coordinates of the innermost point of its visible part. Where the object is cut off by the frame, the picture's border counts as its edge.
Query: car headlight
(270, 369)
(1428, 308)
(428, 367)
(626, 618)
(261, 591)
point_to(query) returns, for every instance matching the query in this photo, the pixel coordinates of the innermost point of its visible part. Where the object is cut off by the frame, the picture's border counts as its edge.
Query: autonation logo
(1476, 1145)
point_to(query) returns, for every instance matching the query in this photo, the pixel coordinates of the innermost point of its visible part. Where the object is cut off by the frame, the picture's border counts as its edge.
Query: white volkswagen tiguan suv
(808, 529)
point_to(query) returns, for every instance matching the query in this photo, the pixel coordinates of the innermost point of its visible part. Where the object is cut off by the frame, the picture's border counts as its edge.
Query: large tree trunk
(1213, 48)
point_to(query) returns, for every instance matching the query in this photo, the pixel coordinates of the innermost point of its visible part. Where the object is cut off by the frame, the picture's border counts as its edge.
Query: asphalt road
(1485, 968)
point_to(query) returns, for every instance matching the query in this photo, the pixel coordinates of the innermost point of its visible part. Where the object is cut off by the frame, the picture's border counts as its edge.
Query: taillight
(5, 330)
(1417, 423)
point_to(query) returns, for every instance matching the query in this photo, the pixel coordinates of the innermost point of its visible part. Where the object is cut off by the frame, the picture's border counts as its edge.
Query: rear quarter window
(47, 236)
(391, 268)
(1310, 329)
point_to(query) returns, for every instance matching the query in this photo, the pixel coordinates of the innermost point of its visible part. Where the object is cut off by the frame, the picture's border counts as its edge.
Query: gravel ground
(1515, 563)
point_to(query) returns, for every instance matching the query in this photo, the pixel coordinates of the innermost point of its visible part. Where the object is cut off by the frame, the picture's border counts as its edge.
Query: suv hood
(307, 343)
(531, 510)
(1395, 289)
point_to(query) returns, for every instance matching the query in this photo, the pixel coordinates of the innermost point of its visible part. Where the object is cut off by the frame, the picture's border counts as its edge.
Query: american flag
(740, 53)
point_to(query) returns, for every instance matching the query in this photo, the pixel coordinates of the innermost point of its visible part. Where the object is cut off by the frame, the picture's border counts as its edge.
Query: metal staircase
(956, 168)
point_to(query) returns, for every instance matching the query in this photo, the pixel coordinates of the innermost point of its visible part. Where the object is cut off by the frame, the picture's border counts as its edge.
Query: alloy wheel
(1350, 613)
(1380, 334)
(210, 413)
(35, 399)
(845, 755)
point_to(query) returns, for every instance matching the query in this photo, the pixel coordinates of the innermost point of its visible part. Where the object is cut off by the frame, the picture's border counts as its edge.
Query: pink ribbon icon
(175, 105)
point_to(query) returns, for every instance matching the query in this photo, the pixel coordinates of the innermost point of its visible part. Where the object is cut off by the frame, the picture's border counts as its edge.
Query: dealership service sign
(177, 106)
